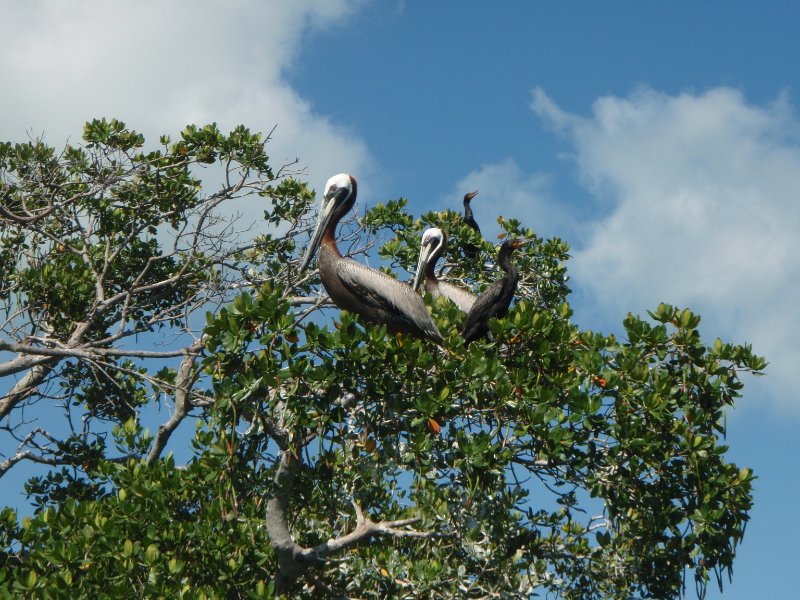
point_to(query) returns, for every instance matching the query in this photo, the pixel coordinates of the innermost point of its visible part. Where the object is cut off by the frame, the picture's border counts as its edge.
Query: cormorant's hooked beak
(329, 204)
(520, 242)
(424, 254)
(509, 245)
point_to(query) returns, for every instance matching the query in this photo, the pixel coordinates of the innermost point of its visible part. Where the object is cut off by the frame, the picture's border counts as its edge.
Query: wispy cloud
(698, 197)
(161, 65)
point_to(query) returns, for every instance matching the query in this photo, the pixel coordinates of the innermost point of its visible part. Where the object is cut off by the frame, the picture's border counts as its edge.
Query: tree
(330, 458)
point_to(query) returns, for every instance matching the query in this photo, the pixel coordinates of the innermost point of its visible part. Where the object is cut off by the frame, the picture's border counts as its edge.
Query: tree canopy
(317, 455)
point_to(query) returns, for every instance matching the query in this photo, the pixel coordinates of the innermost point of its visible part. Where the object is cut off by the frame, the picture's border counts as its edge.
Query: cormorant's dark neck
(504, 260)
(469, 219)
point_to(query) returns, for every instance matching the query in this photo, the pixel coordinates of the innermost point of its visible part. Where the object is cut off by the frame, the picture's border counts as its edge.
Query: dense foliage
(329, 458)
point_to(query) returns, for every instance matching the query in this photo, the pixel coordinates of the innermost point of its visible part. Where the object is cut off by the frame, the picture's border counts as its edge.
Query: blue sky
(661, 140)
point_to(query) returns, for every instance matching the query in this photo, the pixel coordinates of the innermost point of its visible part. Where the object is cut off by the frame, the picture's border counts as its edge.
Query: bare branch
(87, 351)
(293, 559)
(183, 385)
(41, 457)
(365, 528)
(26, 455)
(30, 219)
(25, 387)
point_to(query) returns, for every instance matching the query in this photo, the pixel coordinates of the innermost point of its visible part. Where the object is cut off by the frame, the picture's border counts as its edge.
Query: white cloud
(161, 65)
(699, 203)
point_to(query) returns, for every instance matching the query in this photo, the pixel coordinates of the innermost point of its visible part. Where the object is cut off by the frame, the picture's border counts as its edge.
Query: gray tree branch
(187, 375)
(294, 560)
(25, 387)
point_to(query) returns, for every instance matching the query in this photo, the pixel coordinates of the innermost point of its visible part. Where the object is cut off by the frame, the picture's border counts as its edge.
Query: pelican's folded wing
(387, 294)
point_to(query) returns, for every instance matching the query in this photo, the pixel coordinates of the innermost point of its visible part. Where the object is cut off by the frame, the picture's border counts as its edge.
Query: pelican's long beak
(424, 254)
(325, 214)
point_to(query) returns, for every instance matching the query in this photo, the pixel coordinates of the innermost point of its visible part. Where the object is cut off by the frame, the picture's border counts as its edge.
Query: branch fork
(295, 560)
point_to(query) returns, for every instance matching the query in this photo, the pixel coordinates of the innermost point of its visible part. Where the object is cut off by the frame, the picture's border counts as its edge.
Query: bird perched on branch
(494, 300)
(374, 295)
(470, 250)
(434, 241)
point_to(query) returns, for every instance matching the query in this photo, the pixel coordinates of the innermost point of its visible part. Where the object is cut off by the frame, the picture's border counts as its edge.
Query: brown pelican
(352, 286)
(494, 300)
(434, 241)
(470, 250)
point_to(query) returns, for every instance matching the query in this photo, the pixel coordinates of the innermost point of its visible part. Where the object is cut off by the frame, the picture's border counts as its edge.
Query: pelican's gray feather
(376, 296)
(352, 286)
(434, 241)
(461, 297)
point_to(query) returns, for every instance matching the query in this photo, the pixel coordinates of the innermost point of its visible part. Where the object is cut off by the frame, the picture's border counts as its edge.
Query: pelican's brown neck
(329, 235)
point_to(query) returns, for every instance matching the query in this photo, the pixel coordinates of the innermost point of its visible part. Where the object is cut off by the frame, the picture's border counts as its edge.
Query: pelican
(434, 241)
(352, 286)
(494, 300)
(470, 250)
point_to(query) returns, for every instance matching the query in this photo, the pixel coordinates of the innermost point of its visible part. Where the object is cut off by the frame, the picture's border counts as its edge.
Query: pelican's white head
(339, 197)
(432, 247)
